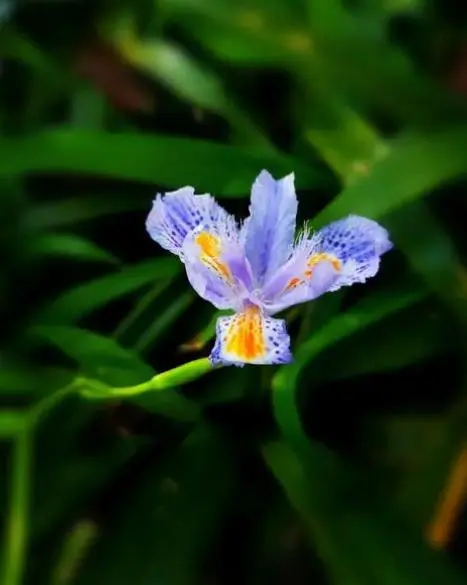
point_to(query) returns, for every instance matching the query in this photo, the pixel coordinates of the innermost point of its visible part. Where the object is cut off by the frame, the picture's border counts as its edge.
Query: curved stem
(18, 513)
(163, 381)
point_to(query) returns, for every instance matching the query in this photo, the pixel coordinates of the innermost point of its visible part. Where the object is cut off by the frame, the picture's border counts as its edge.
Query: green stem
(43, 406)
(164, 381)
(17, 522)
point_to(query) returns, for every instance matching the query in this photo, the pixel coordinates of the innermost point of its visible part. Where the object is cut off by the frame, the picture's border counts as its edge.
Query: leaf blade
(167, 160)
(74, 304)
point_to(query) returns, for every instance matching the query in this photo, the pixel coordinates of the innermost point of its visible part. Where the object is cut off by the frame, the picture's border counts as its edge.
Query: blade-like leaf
(430, 334)
(361, 539)
(363, 314)
(105, 360)
(413, 166)
(156, 329)
(165, 160)
(83, 299)
(12, 422)
(164, 529)
(189, 79)
(98, 356)
(65, 212)
(77, 474)
(71, 246)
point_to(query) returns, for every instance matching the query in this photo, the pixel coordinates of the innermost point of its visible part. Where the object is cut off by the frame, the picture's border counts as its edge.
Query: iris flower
(261, 267)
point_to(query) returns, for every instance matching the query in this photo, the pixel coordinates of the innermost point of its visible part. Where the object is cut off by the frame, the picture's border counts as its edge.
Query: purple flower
(261, 268)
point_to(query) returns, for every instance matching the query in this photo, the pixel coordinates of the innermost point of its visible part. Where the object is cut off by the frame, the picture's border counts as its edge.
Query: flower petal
(343, 253)
(216, 266)
(358, 243)
(307, 275)
(251, 337)
(270, 229)
(174, 215)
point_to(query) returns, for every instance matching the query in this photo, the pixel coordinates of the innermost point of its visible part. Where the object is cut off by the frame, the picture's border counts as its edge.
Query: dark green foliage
(327, 471)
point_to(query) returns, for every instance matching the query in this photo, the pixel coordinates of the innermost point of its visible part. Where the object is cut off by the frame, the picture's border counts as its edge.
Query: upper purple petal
(270, 229)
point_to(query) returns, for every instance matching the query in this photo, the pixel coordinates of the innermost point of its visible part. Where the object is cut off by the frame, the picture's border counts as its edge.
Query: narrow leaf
(71, 246)
(83, 299)
(165, 160)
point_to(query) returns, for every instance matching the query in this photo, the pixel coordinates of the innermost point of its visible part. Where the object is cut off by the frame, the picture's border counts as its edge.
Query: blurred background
(348, 467)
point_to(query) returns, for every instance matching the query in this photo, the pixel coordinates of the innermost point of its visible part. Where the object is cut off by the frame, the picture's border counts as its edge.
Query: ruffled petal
(251, 337)
(270, 229)
(174, 215)
(358, 243)
(341, 254)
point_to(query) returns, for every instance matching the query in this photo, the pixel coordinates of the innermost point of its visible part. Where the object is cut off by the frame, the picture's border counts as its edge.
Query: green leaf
(66, 212)
(167, 63)
(15, 380)
(237, 46)
(14, 552)
(248, 33)
(384, 10)
(82, 300)
(181, 73)
(186, 77)
(413, 166)
(96, 355)
(417, 451)
(430, 334)
(356, 59)
(88, 109)
(140, 312)
(363, 314)
(77, 474)
(165, 528)
(168, 161)
(74, 547)
(113, 368)
(361, 539)
(345, 140)
(71, 246)
(204, 336)
(227, 386)
(12, 422)
(431, 254)
(16, 46)
(169, 404)
(166, 319)
(360, 155)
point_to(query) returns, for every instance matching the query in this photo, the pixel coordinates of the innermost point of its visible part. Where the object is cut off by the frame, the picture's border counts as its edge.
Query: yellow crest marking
(211, 249)
(316, 259)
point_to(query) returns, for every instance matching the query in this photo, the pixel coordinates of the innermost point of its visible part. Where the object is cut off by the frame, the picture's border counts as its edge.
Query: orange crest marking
(313, 261)
(293, 283)
(245, 338)
(211, 249)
